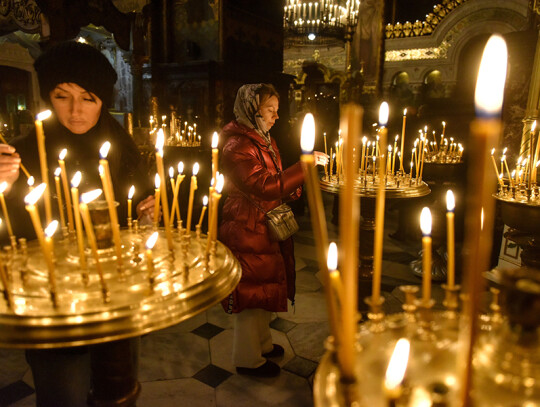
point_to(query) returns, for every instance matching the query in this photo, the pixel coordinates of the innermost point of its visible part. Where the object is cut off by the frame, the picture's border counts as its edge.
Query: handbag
(280, 220)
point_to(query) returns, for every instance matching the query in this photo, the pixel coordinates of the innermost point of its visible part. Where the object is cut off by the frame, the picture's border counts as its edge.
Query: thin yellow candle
(5, 282)
(379, 213)
(175, 205)
(130, 201)
(63, 176)
(396, 371)
(48, 252)
(3, 187)
(394, 152)
(510, 180)
(318, 219)
(443, 129)
(164, 200)
(205, 203)
(334, 296)
(105, 174)
(75, 181)
(485, 131)
(215, 154)
(192, 188)
(150, 242)
(157, 198)
(212, 220)
(495, 166)
(30, 205)
(450, 238)
(59, 197)
(349, 217)
(364, 140)
(425, 226)
(535, 158)
(325, 147)
(40, 136)
(86, 198)
(403, 135)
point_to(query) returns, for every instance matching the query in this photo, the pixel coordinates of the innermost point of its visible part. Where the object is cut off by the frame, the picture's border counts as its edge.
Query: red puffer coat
(268, 267)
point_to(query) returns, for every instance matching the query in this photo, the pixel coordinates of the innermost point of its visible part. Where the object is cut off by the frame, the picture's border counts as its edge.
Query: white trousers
(252, 337)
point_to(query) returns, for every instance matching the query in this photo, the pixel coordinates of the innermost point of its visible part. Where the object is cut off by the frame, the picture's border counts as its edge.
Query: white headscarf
(246, 110)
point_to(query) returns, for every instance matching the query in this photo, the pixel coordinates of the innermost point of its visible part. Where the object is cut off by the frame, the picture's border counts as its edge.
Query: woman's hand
(9, 165)
(320, 158)
(145, 210)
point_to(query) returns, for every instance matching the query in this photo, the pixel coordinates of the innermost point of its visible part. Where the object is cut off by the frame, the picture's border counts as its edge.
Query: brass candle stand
(506, 359)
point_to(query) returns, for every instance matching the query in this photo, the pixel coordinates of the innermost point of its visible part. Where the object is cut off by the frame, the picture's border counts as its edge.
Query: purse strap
(252, 200)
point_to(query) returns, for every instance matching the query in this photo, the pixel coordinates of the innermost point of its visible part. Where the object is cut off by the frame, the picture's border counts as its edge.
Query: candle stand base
(450, 301)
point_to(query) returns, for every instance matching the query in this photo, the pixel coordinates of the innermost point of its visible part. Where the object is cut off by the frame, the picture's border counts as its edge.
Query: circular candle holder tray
(128, 301)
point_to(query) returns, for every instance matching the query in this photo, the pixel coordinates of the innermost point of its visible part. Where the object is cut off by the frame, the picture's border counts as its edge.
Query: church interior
(462, 293)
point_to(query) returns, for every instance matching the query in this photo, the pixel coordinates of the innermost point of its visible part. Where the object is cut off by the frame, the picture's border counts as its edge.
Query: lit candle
(364, 140)
(396, 370)
(30, 205)
(105, 174)
(394, 152)
(63, 176)
(425, 226)
(57, 173)
(40, 135)
(379, 212)
(175, 205)
(212, 221)
(333, 296)
(48, 253)
(192, 188)
(485, 131)
(403, 135)
(157, 198)
(164, 200)
(3, 187)
(450, 239)
(149, 257)
(443, 129)
(130, 201)
(349, 217)
(86, 198)
(510, 178)
(215, 154)
(205, 203)
(495, 166)
(75, 181)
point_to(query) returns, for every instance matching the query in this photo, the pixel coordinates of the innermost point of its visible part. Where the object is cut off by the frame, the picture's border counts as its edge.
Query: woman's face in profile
(268, 111)
(77, 109)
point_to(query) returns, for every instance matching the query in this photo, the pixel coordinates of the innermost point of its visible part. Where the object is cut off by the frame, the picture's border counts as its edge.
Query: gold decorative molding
(426, 27)
(416, 54)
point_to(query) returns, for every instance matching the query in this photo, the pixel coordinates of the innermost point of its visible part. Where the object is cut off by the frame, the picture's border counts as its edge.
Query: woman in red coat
(252, 167)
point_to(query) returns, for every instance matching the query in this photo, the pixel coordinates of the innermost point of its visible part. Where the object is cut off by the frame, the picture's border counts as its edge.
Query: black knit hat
(75, 62)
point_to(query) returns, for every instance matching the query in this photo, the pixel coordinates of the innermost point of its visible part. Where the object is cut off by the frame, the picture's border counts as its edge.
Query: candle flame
(492, 151)
(76, 180)
(405, 112)
(195, 170)
(171, 172)
(450, 201)
(383, 114)
(131, 192)
(62, 154)
(332, 257)
(88, 197)
(31, 181)
(36, 193)
(160, 140)
(157, 181)
(504, 150)
(220, 183)
(205, 200)
(43, 115)
(151, 241)
(307, 140)
(398, 364)
(397, 137)
(104, 150)
(215, 139)
(51, 229)
(180, 167)
(425, 221)
(3, 186)
(491, 78)
(57, 172)
(364, 139)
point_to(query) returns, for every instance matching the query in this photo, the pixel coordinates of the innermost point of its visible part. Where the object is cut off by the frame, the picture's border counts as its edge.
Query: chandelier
(321, 21)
